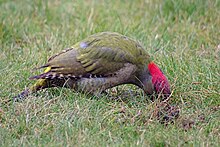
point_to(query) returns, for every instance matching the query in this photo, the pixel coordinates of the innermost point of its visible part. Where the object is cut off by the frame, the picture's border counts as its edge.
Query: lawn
(183, 38)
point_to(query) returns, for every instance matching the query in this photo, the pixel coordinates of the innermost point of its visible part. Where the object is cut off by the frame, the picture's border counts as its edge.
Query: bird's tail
(40, 84)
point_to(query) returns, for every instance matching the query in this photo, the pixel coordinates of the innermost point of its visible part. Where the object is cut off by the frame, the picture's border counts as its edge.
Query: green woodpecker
(99, 62)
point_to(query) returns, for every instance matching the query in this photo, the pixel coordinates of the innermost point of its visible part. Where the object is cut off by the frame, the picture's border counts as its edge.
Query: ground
(182, 37)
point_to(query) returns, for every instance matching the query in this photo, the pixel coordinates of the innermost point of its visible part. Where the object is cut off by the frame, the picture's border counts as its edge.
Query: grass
(183, 38)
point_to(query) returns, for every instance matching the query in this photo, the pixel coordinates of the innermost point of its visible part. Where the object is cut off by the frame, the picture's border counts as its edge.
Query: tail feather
(40, 84)
(47, 74)
(43, 76)
(21, 96)
(44, 66)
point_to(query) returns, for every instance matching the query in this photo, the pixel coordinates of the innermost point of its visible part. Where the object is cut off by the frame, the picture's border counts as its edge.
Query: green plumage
(100, 61)
(99, 54)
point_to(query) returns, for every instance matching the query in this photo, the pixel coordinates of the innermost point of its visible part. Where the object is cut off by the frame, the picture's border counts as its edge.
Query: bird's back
(100, 54)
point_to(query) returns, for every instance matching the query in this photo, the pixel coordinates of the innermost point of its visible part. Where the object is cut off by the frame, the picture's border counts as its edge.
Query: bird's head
(158, 81)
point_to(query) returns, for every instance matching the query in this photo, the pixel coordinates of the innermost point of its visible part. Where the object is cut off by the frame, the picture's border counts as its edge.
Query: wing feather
(101, 55)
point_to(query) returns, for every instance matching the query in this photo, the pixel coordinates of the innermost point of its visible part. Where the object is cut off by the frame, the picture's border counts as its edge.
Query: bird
(99, 62)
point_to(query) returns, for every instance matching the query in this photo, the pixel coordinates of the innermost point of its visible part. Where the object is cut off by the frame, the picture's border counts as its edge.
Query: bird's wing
(101, 54)
(105, 53)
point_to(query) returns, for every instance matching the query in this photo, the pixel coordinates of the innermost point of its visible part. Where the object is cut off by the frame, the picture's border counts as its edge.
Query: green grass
(183, 37)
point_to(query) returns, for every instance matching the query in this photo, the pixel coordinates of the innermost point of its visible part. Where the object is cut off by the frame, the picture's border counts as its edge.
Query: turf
(182, 37)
